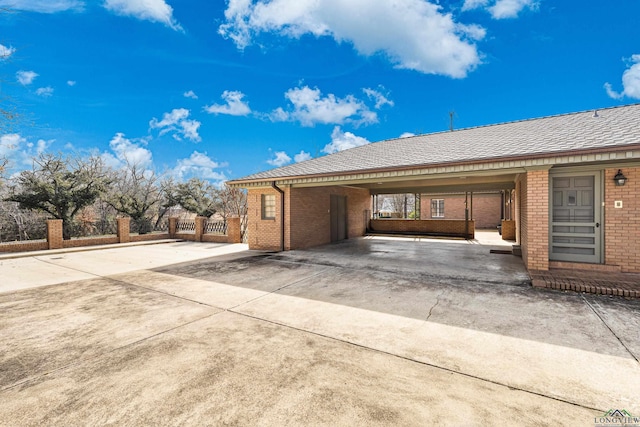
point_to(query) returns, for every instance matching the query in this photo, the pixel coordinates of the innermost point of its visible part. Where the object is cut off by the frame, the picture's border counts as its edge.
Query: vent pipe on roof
(595, 113)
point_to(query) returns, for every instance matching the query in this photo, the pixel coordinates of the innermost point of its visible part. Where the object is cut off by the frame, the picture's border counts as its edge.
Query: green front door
(576, 225)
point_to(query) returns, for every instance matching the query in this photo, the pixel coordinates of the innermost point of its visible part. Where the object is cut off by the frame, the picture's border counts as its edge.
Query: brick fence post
(173, 227)
(200, 221)
(123, 230)
(54, 233)
(234, 234)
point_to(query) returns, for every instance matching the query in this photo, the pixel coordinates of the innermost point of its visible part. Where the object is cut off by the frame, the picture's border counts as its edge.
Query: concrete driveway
(365, 332)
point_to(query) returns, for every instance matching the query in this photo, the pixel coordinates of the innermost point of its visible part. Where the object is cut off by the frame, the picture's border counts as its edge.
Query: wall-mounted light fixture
(620, 179)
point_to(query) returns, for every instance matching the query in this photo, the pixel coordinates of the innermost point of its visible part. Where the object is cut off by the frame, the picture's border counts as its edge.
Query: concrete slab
(232, 370)
(48, 328)
(64, 266)
(359, 333)
(25, 273)
(437, 259)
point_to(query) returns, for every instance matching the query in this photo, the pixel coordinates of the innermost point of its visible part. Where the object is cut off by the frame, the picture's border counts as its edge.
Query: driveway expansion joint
(408, 359)
(610, 329)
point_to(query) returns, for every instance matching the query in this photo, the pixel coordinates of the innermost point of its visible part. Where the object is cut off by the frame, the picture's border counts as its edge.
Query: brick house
(485, 209)
(557, 177)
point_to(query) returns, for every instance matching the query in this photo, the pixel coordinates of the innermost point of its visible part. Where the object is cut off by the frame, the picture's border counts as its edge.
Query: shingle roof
(609, 128)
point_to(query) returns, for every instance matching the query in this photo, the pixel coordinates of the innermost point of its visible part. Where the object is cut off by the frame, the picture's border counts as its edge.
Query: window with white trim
(437, 208)
(268, 206)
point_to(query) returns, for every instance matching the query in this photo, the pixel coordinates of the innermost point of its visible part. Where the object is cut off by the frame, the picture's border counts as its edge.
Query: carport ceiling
(442, 185)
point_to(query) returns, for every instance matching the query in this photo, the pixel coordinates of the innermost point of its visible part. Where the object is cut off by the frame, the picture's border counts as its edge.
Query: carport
(560, 178)
(330, 209)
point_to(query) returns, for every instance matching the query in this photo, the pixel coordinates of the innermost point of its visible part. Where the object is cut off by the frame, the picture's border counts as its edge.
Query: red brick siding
(263, 234)
(522, 219)
(535, 220)
(486, 208)
(307, 217)
(439, 226)
(622, 225)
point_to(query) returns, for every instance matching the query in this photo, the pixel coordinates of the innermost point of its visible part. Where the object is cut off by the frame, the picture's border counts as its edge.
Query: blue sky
(222, 89)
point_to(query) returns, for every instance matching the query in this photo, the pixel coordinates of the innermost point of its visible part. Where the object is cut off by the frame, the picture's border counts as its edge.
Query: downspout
(279, 190)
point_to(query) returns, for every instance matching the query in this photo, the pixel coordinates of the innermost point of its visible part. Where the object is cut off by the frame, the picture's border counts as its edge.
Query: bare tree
(234, 201)
(135, 192)
(196, 196)
(60, 186)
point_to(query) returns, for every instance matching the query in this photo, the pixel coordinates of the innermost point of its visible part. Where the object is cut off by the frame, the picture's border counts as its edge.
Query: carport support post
(466, 215)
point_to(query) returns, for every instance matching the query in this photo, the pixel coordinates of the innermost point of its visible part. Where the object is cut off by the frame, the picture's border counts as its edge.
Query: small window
(437, 208)
(268, 206)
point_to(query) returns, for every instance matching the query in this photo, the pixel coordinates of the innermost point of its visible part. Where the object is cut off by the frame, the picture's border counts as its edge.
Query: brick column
(537, 219)
(173, 227)
(200, 221)
(124, 225)
(54, 233)
(234, 234)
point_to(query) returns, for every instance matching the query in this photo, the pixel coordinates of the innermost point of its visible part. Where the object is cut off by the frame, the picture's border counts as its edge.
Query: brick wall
(24, 246)
(508, 229)
(622, 225)
(521, 217)
(486, 208)
(535, 220)
(262, 234)
(307, 217)
(454, 227)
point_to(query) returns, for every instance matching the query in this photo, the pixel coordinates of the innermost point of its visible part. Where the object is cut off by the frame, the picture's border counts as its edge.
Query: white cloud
(178, 123)
(414, 34)
(301, 157)
(310, 107)
(630, 81)
(380, 99)
(190, 94)
(407, 135)
(199, 165)
(280, 158)
(26, 77)
(127, 151)
(71, 83)
(6, 52)
(501, 9)
(43, 6)
(19, 151)
(148, 10)
(40, 146)
(10, 143)
(343, 140)
(474, 4)
(234, 106)
(44, 91)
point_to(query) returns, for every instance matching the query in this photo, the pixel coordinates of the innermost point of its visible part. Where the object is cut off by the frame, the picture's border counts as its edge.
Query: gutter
(279, 190)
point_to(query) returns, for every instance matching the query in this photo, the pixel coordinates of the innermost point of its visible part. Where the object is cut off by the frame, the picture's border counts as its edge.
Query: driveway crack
(434, 305)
